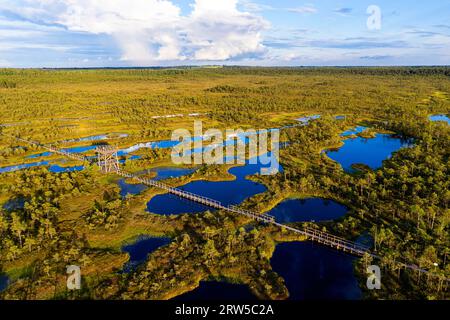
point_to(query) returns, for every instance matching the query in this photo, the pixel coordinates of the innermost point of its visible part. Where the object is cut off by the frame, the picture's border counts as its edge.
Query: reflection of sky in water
(82, 148)
(207, 140)
(130, 188)
(14, 204)
(52, 168)
(244, 137)
(305, 210)
(58, 169)
(4, 282)
(162, 174)
(90, 138)
(353, 131)
(227, 192)
(134, 157)
(307, 119)
(23, 166)
(140, 249)
(314, 272)
(170, 172)
(371, 152)
(440, 117)
(43, 154)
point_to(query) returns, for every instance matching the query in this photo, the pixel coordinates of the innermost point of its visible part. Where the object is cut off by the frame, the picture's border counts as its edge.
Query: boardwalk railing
(311, 233)
(331, 240)
(74, 156)
(263, 217)
(71, 155)
(176, 191)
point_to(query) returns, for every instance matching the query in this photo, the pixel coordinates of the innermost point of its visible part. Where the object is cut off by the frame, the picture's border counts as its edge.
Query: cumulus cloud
(150, 31)
(146, 30)
(218, 31)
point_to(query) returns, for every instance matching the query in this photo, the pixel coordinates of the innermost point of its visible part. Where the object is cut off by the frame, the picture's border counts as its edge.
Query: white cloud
(146, 30)
(255, 7)
(304, 9)
(120, 16)
(219, 31)
(17, 34)
(150, 31)
(13, 45)
(158, 32)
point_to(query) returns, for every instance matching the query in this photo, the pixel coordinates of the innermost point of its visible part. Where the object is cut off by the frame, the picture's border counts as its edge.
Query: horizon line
(227, 66)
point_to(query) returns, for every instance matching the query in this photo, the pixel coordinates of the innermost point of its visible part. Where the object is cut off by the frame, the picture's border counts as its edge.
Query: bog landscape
(87, 180)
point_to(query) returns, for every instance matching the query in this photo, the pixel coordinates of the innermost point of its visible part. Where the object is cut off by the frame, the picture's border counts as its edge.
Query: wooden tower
(107, 159)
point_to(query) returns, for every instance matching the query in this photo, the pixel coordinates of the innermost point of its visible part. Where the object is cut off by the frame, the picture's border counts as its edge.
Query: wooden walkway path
(312, 234)
(71, 155)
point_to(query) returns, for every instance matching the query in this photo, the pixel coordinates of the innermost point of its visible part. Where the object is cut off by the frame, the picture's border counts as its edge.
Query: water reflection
(307, 210)
(371, 152)
(440, 117)
(140, 249)
(314, 272)
(227, 192)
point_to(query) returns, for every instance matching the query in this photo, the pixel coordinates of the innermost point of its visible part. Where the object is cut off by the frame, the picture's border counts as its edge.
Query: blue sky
(106, 33)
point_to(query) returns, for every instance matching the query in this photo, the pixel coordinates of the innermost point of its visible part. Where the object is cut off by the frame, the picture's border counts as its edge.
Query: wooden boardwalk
(312, 234)
(71, 155)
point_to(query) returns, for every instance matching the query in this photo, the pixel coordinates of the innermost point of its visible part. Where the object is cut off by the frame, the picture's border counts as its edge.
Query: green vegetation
(404, 205)
(107, 211)
(80, 218)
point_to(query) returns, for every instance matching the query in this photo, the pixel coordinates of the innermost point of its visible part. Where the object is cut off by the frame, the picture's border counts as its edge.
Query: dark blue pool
(140, 249)
(314, 272)
(306, 210)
